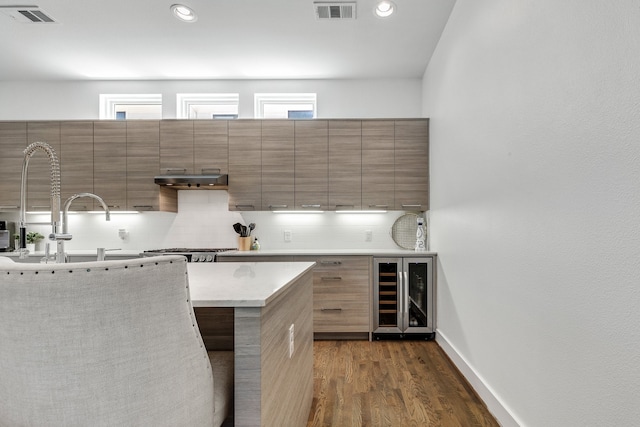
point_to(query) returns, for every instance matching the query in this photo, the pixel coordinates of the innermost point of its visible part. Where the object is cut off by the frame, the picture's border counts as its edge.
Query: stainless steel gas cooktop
(192, 255)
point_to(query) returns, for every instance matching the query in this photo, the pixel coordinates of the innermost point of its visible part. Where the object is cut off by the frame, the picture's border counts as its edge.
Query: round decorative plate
(404, 231)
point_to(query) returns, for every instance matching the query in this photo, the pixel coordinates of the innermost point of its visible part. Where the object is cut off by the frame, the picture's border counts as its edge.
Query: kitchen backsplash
(204, 221)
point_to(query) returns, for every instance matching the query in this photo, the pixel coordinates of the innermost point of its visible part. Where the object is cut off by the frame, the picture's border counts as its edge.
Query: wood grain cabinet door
(311, 164)
(76, 163)
(110, 163)
(13, 140)
(245, 165)
(345, 164)
(278, 173)
(378, 164)
(143, 163)
(176, 147)
(39, 178)
(211, 145)
(412, 165)
(341, 293)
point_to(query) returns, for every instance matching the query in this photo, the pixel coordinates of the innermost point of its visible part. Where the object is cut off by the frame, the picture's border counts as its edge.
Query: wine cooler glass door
(417, 297)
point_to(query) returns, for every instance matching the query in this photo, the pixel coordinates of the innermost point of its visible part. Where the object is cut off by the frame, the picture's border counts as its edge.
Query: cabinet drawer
(340, 316)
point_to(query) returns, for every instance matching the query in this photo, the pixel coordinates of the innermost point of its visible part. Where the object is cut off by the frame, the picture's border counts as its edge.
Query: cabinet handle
(143, 207)
(41, 207)
(345, 207)
(310, 206)
(245, 207)
(379, 206)
(212, 171)
(330, 309)
(181, 171)
(416, 207)
(331, 279)
(9, 207)
(331, 262)
(272, 207)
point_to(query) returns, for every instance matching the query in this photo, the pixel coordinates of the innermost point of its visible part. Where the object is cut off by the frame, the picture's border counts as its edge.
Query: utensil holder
(244, 243)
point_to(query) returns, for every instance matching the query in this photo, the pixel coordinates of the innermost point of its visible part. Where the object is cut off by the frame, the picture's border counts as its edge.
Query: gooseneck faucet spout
(67, 205)
(55, 194)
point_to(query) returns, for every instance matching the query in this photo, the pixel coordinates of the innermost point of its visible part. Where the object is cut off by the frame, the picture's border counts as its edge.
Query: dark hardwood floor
(391, 383)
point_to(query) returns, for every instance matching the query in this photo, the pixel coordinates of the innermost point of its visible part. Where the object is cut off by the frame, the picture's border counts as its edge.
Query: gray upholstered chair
(110, 343)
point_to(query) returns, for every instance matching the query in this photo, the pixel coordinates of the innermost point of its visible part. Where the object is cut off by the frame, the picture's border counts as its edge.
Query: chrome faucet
(65, 214)
(55, 235)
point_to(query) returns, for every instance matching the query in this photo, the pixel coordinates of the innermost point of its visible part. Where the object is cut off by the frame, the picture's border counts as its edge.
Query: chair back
(109, 343)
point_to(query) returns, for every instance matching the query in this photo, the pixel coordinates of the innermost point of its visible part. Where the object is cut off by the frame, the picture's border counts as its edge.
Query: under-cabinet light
(360, 212)
(296, 212)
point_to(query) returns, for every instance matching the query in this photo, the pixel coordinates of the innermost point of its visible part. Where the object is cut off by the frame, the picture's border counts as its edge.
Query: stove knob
(203, 258)
(194, 258)
(209, 258)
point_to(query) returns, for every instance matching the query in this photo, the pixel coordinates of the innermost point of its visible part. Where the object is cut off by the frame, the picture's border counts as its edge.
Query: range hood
(203, 181)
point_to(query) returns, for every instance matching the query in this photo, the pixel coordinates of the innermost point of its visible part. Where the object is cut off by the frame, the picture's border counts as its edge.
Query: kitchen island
(271, 303)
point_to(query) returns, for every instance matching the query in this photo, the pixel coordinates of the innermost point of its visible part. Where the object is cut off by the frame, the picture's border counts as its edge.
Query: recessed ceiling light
(385, 8)
(183, 13)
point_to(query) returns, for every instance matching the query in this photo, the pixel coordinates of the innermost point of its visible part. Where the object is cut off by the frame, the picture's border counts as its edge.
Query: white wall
(204, 221)
(535, 172)
(79, 100)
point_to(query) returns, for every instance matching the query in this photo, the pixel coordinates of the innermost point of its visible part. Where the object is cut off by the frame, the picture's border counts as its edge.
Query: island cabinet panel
(76, 163)
(245, 165)
(345, 164)
(143, 163)
(412, 165)
(176, 147)
(13, 140)
(378, 164)
(39, 178)
(278, 172)
(312, 164)
(211, 146)
(277, 386)
(110, 163)
(341, 294)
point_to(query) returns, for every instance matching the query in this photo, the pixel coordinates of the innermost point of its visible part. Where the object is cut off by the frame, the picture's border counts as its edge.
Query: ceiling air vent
(27, 14)
(335, 10)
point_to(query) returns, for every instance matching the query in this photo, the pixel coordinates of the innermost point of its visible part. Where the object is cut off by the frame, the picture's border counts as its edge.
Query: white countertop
(329, 252)
(241, 284)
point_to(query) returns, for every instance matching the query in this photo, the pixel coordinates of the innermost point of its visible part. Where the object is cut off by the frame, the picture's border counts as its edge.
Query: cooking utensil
(238, 228)
(252, 226)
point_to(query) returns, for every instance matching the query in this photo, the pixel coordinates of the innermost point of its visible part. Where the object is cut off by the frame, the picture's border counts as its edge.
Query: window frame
(184, 101)
(262, 99)
(108, 102)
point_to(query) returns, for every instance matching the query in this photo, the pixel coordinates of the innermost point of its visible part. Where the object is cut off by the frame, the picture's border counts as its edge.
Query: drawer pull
(331, 262)
(143, 207)
(310, 206)
(177, 171)
(330, 309)
(331, 279)
(245, 207)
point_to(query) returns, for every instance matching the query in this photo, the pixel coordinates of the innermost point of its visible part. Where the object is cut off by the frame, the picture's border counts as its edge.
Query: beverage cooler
(404, 304)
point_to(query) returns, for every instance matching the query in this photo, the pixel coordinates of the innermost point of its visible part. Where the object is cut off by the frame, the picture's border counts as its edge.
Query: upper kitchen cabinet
(278, 175)
(143, 163)
(211, 145)
(345, 164)
(312, 164)
(110, 163)
(176, 147)
(76, 163)
(245, 164)
(378, 164)
(39, 178)
(412, 165)
(13, 140)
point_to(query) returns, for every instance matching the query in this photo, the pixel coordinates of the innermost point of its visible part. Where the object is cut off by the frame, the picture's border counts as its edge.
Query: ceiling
(232, 39)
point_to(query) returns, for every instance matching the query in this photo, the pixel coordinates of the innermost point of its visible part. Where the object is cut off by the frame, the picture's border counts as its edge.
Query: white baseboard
(494, 404)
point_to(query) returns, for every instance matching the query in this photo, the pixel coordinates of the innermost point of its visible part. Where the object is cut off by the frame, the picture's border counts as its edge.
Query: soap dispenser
(256, 245)
(421, 236)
